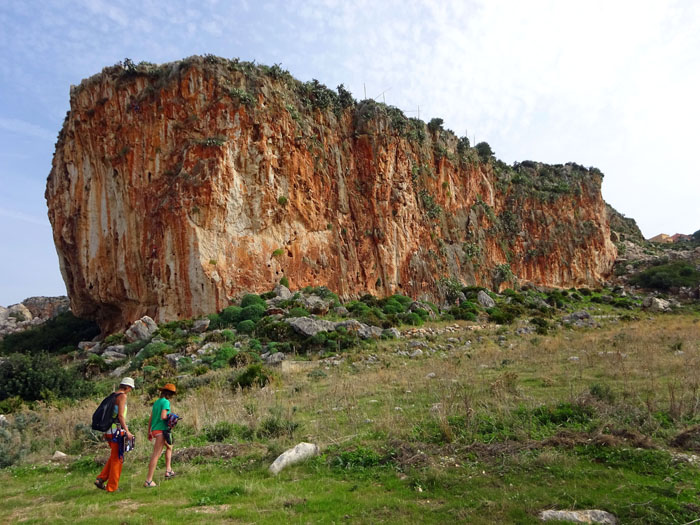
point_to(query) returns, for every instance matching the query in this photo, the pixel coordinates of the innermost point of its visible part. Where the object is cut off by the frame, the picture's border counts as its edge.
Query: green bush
(221, 431)
(246, 327)
(498, 316)
(250, 299)
(411, 318)
(393, 306)
(64, 330)
(149, 351)
(541, 325)
(360, 458)
(39, 376)
(484, 151)
(231, 315)
(275, 425)
(253, 312)
(284, 282)
(665, 276)
(466, 311)
(298, 312)
(253, 375)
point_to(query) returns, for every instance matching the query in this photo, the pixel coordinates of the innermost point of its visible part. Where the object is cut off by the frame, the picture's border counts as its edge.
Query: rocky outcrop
(175, 188)
(31, 312)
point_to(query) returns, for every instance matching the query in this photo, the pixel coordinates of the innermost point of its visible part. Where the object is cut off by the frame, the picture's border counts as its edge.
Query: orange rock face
(176, 188)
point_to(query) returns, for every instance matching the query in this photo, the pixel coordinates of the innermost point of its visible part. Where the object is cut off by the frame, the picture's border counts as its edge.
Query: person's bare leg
(157, 449)
(168, 458)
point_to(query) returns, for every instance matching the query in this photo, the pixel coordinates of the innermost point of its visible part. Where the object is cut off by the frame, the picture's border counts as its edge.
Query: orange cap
(170, 387)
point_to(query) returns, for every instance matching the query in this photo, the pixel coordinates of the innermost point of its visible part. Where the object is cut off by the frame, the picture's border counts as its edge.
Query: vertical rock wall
(175, 188)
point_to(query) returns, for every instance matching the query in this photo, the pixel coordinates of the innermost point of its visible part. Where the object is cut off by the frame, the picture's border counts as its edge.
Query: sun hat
(170, 387)
(127, 381)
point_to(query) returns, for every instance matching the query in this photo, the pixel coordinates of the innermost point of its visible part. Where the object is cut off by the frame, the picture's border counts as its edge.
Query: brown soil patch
(688, 439)
(409, 455)
(212, 509)
(218, 451)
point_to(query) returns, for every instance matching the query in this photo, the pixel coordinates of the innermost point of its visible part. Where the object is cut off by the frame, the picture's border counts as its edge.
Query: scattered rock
(315, 305)
(579, 516)
(208, 348)
(110, 356)
(282, 292)
(417, 305)
(362, 330)
(201, 325)
(431, 375)
(293, 456)
(416, 353)
(47, 307)
(141, 330)
(341, 311)
(173, 359)
(119, 372)
(485, 299)
(309, 327)
(3, 420)
(59, 456)
(113, 348)
(391, 333)
(275, 359)
(654, 304)
(89, 346)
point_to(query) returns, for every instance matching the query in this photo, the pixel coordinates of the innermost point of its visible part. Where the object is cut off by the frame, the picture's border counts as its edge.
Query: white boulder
(293, 456)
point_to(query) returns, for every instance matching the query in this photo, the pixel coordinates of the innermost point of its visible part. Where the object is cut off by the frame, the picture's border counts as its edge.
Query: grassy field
(485, 426)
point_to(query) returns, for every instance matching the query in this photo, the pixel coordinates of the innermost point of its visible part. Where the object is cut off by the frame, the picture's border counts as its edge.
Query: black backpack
(103, 417)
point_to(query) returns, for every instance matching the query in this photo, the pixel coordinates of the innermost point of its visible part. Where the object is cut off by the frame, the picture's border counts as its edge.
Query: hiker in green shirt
(158, 429)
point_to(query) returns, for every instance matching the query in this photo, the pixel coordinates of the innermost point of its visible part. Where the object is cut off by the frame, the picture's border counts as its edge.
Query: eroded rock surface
(175, 188)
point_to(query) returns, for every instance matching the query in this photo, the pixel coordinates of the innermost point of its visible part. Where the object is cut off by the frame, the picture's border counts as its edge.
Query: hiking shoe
(100, 484)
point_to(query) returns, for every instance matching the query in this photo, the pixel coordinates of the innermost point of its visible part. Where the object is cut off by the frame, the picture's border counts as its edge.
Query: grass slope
(484, 427)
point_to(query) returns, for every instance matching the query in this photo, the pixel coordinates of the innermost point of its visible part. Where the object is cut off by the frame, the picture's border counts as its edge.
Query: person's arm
(121, 403)
(166, 410)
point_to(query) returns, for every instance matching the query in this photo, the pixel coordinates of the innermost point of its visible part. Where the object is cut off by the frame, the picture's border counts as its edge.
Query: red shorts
(154, 433)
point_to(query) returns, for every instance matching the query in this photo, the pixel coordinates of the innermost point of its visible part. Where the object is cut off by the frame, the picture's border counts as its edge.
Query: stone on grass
(485, 299)
(391, 333)
(89, 346)
(201, 325)
(341, 311)
(173, 359)
(579, 516)
(59, 456)
(353, 326)
(119, 372)
(654, 304)
(310, 327)
(293, 456)
(110, 356)
(274, 359)
(282, 292)
(141, 330)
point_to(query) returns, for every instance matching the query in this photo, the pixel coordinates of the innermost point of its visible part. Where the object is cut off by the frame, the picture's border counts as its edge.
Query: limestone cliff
(175, 188)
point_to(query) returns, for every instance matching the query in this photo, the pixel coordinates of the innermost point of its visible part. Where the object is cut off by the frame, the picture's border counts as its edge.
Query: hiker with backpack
(159, 428)
(110, 418)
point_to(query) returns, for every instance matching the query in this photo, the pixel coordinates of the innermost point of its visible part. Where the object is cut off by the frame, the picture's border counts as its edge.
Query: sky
(613, 84)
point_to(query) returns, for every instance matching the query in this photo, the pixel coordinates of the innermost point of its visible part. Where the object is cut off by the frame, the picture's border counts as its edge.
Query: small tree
(484, 150)
(435, 125)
